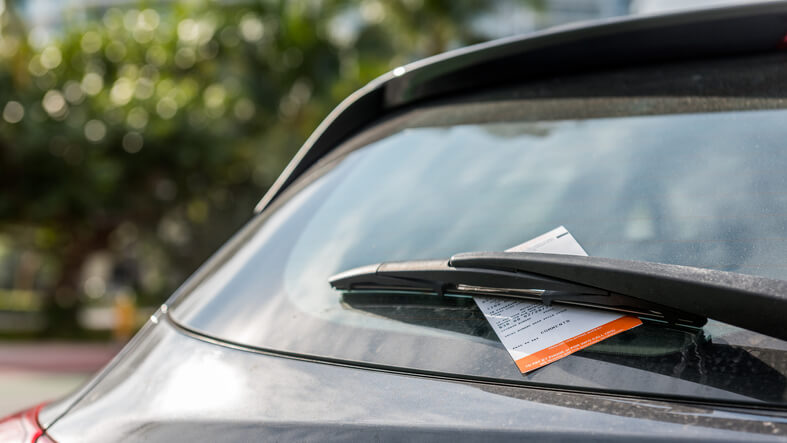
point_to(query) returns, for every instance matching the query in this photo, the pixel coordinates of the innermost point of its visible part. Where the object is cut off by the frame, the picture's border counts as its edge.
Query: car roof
(583, 47)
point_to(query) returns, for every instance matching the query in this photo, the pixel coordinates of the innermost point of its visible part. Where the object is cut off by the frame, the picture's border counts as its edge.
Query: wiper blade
(676, 294)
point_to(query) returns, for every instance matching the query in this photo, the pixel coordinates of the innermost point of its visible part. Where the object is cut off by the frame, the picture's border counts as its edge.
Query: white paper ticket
(536, 334)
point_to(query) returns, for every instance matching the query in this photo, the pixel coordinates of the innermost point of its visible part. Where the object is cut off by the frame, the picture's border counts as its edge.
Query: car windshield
(695, 181)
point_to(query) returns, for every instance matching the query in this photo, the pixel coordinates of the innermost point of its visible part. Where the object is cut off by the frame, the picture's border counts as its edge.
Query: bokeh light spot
(54, 103)
(137, 118)
(38, 37)
(132, 142)
(156, 55)
(35, 67)
(167, 107)
(144, 88)
(115, 51)
(130, 19)
(251, 28)
(51, 57)
(95, 287)
(13, 112)
(148, 20)
(92, 83)
(214, 95)
(372, 11)
(90, 42)
(188, 31)
(95, 130)
(185, 58)
(113, 18)
(73, 92)
(121, 91)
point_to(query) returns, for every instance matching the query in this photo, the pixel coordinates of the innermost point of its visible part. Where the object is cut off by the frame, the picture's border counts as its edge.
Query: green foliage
(150, 132)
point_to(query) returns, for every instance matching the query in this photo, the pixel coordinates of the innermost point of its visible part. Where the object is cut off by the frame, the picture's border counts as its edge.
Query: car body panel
(178, 387)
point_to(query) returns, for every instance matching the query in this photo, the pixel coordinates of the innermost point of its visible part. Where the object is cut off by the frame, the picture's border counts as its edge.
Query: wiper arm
(677, 294)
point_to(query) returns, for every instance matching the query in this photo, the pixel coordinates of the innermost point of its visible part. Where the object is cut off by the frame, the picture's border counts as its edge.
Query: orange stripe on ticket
(574, 344)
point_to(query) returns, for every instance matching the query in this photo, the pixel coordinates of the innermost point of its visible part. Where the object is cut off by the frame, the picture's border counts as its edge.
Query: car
(656, 139)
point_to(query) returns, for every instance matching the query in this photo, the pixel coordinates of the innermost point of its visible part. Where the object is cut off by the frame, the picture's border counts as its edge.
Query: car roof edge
(607, 43)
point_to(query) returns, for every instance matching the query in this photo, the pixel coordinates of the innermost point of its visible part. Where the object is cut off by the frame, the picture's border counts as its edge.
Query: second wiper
(676, 294)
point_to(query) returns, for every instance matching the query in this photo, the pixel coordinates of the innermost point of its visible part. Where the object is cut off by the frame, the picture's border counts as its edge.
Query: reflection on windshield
(703, 190)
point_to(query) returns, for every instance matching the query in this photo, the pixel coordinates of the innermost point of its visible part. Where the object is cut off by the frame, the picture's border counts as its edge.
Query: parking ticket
(536, 334)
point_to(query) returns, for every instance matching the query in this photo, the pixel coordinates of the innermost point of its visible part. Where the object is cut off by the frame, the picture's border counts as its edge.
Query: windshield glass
(703, 189)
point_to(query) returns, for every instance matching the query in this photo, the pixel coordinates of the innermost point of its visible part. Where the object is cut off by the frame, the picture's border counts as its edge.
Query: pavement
(34, 372)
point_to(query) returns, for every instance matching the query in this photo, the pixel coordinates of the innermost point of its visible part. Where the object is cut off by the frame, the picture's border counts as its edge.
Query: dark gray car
(658, 139)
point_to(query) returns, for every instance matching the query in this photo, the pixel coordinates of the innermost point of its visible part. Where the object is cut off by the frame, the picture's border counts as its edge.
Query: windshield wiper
(676, 294)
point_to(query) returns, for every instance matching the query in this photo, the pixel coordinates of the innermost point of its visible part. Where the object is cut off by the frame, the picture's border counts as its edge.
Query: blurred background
(137, 136)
